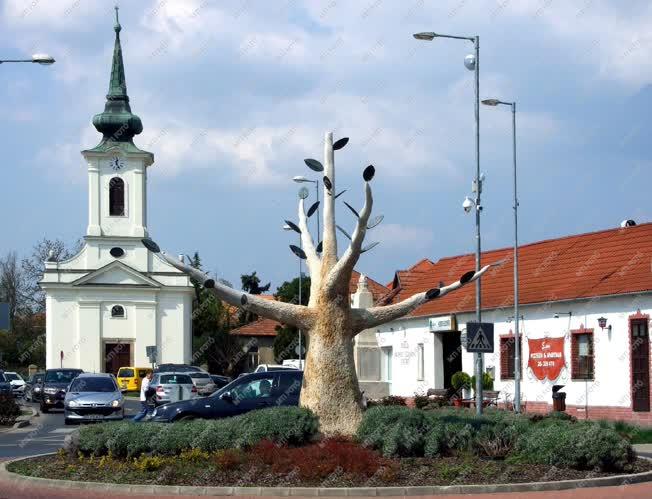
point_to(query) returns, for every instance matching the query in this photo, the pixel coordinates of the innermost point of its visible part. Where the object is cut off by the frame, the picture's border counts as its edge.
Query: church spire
(117, 123)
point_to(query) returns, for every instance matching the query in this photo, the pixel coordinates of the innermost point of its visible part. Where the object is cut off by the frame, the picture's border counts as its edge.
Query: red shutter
(574, 357)
(504, 358)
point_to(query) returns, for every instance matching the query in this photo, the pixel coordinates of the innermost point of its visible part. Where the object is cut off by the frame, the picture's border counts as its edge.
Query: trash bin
(558, 398)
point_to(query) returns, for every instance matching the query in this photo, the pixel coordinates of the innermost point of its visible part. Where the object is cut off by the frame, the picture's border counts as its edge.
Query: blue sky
(234, 95)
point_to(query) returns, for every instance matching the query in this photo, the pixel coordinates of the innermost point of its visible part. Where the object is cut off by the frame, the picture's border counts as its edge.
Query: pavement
(48, 431)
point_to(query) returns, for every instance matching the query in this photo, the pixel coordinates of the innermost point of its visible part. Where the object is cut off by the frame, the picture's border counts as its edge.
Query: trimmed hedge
(554, 439)
(285, 425)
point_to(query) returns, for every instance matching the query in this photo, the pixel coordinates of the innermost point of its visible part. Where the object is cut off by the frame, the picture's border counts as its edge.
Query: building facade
(114, 298)
(585, 306)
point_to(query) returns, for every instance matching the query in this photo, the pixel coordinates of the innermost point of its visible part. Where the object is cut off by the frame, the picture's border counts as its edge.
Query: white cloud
(396, 236)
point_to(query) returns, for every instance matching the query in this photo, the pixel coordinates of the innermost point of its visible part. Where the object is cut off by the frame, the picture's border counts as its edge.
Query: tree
(289, 291)
(286, 341)
(251, 284)
(330, 385)
(13, 287)
(53, 250)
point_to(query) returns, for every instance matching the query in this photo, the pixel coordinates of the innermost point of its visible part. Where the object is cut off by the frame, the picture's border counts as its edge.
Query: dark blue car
(250, 392)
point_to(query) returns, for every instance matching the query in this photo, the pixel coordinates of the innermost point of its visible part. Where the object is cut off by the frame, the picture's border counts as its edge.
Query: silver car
(172, 387)
(93, 397)
(203, 382)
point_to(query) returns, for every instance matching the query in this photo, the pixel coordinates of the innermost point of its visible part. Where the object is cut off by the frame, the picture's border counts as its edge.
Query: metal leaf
(467, 276)
(320, 247)
(340, 143)
(298, 251)
(369, 247)
(368, 173)
(293, 226)
(433, 293)
(375, 221)
(343, 232)
(339, 194)
(315, 165)
(209, 283)
(151, 245)
(312, 209)
(243, 300)
(352, 209)
(327, 183)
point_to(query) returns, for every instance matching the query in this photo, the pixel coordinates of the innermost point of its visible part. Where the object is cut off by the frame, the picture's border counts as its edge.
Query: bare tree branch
(329, 254)
(285, 313)
(374, 316)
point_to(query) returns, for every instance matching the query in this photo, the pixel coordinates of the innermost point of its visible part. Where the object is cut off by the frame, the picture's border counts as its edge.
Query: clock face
(116, 163)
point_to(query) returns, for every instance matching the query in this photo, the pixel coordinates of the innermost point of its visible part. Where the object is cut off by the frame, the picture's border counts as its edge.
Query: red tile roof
(608, 262)
(267, 327)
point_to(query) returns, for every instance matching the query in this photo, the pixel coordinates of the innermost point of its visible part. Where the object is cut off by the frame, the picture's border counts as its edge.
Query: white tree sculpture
(330, 385)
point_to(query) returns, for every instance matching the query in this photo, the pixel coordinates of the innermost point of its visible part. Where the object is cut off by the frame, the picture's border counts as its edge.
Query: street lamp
(301, 179)
(472, 63)
(517, 340)
(42, 59)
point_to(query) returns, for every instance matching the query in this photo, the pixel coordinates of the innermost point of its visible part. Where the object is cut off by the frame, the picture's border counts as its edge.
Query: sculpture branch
(285, 313)
(344, 267)
(375, 316)
(313, 261)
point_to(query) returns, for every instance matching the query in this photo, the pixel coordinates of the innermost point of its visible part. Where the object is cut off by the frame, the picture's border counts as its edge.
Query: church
(114, 298)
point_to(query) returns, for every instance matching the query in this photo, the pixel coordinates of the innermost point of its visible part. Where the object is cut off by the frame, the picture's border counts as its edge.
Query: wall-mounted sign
(546, 357)
(445, 323)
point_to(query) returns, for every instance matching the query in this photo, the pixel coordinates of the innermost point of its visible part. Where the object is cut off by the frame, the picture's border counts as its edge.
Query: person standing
(144, 395)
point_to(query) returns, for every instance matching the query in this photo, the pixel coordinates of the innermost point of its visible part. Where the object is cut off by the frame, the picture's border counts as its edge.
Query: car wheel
(185, 417)
(44, 409)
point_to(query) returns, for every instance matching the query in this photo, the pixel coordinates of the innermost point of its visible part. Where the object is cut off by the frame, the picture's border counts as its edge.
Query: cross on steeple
(117, 26)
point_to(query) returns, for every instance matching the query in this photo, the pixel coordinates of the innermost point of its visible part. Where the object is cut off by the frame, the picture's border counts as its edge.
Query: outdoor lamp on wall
(602, 322)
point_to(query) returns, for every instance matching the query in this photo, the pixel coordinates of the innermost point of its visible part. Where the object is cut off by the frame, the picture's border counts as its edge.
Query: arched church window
(116, 197)
(117, 311)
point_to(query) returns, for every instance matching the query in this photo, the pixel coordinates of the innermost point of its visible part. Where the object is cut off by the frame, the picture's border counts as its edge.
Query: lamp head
(469, 62)
(427, 35)
(43, 59)
(491, 102)
(300, 178)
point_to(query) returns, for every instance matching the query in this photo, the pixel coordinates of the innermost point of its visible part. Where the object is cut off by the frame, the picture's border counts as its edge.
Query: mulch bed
(235, 468)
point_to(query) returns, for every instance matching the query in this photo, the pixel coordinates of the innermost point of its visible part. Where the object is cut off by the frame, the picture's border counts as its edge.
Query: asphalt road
(45, 434)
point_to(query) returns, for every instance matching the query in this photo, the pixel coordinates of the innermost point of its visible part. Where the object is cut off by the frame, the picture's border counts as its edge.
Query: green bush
(390, 400)
(421, 401)
(487, 382)
(291, 425)
(461, 380)
(395, 431)
(583, 446)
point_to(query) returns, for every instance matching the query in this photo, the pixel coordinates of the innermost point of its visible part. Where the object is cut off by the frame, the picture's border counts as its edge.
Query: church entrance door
(116, 355)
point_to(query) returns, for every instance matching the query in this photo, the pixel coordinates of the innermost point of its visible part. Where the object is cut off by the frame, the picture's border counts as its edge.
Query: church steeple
(117, 123)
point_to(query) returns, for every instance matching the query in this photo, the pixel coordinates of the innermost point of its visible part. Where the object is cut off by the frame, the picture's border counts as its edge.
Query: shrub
(421, 401)
(283, 425)
(395, 431)
(579, 446)
(461, 380)
(487, 382)
(176, 437)
(93, 438)
(9, 410)
(390, 400)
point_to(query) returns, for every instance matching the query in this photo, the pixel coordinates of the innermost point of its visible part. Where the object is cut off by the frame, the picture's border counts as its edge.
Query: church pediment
(116, 274)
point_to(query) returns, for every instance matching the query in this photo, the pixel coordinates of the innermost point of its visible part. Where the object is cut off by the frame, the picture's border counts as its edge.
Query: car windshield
(12, 377)
(60, 376)
(199, 375)
(93, 384)
(175, 379)
(125, 373)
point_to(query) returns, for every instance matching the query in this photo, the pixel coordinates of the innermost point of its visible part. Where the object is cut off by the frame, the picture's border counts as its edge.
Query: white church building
(113, 299)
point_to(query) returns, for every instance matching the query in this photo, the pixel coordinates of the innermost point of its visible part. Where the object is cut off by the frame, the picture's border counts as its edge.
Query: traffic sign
(151, 353)
(480, 337)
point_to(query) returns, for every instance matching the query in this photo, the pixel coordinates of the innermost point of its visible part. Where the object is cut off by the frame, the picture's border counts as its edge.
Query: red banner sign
(546, 357)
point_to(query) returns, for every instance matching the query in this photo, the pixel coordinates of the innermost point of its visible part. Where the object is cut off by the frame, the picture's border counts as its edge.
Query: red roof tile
(607, 262)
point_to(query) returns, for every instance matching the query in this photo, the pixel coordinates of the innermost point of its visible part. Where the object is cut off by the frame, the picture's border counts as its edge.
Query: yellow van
(129, 378)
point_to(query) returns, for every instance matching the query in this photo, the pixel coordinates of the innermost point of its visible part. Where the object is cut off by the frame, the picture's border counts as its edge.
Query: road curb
(172, 490)
(22, 421)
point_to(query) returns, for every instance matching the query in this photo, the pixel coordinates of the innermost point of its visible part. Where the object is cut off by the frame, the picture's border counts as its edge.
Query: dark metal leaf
(433, 293)
(369, 247)
(368, 173)
(243, 300)
(320, 247)
(312, 209)
(151, 245)
(339, 194)
(340, 143)
(467, 276)
(209, 283)
(375, 221)
(344, 232)
(327, 183)
(315, 165)
(293, 226)
(298, 251)
(352, 209)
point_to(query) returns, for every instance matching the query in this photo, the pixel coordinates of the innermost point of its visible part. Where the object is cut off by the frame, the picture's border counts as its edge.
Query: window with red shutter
(582, 361)
(507, 354)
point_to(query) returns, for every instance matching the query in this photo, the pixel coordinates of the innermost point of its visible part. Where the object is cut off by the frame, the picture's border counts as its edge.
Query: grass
(636, 434)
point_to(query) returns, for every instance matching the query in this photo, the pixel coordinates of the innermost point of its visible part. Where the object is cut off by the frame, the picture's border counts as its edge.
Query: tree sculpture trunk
(330, 385)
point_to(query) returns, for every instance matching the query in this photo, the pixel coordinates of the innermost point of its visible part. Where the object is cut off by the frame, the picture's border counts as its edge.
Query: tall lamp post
(517, 339)
(301, 179)
(42, 59)
(472, 62)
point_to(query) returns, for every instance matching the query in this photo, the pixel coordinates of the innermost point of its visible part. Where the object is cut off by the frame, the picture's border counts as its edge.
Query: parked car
(5, 386)
(93, 397)
(248, 393)
(55, 383)
(263, 368)
(177, 368)
(203, 382)
(171, 387)
(130, 378)
(17, 383)
(34, 387)
(220, 381)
